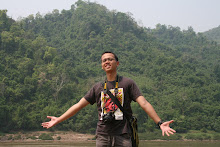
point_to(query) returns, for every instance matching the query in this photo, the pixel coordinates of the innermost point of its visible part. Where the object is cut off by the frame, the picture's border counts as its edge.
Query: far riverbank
(46, 135)
(70, 136)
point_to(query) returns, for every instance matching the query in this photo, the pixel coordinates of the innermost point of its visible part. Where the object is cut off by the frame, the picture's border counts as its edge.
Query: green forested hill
(213, 34)
(49, 62)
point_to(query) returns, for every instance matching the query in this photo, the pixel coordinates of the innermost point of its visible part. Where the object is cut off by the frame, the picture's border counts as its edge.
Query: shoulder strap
(116, 101)
(116, 85)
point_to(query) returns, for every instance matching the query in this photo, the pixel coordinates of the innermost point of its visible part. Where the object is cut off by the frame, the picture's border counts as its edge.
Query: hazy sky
(202, 15)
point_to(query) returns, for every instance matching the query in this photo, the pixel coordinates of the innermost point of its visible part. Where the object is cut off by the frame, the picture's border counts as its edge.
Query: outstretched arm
(148, 108)
(69, 113)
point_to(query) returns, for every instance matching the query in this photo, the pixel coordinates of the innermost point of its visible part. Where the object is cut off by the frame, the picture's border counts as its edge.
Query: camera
(108, 117)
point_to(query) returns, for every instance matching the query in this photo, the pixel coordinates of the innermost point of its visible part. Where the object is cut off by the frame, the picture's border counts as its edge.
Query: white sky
(202, 15)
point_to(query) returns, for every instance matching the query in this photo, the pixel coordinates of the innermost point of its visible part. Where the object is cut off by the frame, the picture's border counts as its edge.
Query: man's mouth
(108, 66)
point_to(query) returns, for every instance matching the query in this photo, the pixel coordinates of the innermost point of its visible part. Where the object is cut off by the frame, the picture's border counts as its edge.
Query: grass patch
(156, 135)
(2, 134)
(191, 135)
(201, 135)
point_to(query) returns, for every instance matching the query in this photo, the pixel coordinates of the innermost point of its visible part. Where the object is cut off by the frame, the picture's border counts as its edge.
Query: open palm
(51, 123)
(165, 127)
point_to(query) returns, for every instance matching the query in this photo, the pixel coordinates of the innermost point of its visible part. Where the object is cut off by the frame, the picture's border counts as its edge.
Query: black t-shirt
(127, 92)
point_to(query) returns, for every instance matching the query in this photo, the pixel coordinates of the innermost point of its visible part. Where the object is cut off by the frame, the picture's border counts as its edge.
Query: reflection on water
(48, 144)
(92, 144)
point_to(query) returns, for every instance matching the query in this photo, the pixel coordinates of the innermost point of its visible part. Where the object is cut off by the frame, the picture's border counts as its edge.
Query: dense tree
(49, 62)
(213, 34)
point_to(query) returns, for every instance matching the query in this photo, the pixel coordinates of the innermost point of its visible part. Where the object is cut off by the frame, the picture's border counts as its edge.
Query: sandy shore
(57, 136)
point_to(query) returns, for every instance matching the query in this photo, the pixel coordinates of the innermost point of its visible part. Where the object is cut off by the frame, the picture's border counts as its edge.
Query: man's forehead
(106, 55)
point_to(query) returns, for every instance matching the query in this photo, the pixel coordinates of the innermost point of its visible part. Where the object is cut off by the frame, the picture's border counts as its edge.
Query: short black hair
(116, 58)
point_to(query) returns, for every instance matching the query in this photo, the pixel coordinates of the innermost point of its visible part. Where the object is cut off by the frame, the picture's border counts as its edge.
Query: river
(92, 144)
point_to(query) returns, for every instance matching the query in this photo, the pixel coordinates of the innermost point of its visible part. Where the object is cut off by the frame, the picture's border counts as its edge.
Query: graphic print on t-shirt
(108, 105)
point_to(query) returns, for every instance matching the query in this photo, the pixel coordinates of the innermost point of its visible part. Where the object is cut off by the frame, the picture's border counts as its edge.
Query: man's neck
(111, 76)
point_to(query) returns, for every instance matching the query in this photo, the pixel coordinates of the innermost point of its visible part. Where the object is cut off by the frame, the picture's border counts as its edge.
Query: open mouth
(107, 66)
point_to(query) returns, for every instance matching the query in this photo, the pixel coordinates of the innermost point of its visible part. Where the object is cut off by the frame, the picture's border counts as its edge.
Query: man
(115, 132)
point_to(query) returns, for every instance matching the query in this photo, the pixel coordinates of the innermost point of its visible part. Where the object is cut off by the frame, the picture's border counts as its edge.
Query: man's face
(109, 62)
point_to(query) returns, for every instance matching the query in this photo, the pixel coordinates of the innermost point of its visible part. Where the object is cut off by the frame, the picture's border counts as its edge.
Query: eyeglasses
(107, 59)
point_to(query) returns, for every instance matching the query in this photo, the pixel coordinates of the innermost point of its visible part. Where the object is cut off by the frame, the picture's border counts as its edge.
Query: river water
(92, 144)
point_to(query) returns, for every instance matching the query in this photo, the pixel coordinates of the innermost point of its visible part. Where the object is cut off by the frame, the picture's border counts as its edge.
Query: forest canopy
(49, 62)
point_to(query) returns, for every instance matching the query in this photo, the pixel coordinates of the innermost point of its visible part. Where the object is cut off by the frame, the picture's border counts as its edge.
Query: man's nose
(108, 60)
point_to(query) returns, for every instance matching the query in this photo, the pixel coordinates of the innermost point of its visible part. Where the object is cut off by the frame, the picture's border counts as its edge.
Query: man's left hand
(165, 127)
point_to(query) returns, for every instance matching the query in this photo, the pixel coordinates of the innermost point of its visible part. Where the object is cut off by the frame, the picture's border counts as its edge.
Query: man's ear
(117, 63)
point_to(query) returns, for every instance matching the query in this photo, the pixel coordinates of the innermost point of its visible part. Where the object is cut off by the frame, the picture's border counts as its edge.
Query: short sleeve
(90, 96)
(134, 91)
(94, 93)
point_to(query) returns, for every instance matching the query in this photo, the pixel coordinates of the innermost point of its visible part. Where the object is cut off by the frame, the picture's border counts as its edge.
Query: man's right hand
(51, 123)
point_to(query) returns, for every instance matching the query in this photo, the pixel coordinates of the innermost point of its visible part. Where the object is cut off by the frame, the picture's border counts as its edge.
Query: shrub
(198, 136)
(149, 136)
(203, 130)
(172, 137)
(45, 136)
(190, 136)
(18, 137)
(10, 137)
(207, 137)
(32, 137)
(2, 134)
(216, 137)
(58, 138)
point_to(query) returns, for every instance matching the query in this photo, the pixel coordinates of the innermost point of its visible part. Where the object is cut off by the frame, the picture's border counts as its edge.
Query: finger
(167, 133)
(44, 126)
(47, 126)
(171, 121)
(170, 132)
(50, 117)
(163, 133)
(45, 123)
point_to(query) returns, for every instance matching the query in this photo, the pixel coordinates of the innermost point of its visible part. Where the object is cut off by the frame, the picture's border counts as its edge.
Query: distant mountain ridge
(213, 34)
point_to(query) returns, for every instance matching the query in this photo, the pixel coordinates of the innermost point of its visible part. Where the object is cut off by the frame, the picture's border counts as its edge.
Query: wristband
(160, 123)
